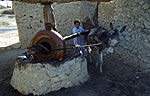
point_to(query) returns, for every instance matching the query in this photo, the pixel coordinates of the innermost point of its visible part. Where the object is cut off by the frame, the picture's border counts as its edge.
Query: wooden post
(48, 16)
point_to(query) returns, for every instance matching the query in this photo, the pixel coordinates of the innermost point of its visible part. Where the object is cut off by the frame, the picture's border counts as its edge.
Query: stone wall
(30, 18)
(135, 41)
(65, 14)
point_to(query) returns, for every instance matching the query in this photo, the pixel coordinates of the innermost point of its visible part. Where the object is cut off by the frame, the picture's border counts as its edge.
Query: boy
(79, 41)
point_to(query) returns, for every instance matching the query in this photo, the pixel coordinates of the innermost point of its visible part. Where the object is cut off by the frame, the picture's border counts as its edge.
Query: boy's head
(77, 23)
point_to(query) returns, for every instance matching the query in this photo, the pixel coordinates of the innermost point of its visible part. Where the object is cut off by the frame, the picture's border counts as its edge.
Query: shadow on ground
(119, 79)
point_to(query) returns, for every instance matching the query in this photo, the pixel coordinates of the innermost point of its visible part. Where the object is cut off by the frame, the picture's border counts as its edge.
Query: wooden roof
(58, 1)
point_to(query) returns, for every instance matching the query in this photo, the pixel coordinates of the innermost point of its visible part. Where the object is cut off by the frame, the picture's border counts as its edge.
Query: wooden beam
(58, 1)
(48, 17)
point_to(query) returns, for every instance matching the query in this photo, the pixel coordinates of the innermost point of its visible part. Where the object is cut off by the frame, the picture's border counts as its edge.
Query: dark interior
(47, 46)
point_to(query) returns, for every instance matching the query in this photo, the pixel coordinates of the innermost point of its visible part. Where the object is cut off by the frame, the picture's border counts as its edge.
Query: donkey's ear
(123, 29)
(111, 26)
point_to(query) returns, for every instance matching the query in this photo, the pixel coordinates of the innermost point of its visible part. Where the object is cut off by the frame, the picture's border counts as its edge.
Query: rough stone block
(147, 24)
(65, 14)
(42, 78)
(106, 14)
(29, 18)
(146, 6)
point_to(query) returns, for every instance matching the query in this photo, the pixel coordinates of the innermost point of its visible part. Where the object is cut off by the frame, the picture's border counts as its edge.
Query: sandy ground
(8, 36)
(119, 79)
(8, 29)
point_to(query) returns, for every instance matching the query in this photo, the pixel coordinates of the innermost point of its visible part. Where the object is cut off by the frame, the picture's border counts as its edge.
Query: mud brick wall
(29, 18)
(135, 41)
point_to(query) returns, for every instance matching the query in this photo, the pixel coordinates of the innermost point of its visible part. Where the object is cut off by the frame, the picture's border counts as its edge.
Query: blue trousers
(82, 49)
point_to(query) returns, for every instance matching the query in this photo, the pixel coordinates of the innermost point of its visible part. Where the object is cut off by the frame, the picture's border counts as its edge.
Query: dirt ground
(119, 79)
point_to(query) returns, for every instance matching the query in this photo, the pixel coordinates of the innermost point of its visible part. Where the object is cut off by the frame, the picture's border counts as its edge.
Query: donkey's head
(109, 39)
(114, 35)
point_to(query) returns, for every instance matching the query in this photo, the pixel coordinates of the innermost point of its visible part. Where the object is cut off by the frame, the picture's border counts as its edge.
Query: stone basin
(42, 78)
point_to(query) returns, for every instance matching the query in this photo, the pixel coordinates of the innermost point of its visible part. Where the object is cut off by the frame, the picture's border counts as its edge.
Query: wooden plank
(58, 1)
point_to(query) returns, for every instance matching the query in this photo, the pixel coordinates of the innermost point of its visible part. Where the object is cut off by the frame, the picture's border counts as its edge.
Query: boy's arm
(82, 30)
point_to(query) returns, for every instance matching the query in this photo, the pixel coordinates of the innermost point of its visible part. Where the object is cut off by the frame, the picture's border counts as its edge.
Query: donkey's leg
(97, 63)
(90, 59)
(101, 61)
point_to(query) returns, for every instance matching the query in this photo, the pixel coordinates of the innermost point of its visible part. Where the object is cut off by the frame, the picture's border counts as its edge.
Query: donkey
(108, 39)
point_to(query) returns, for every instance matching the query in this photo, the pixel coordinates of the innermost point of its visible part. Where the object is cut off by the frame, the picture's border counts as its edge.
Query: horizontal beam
(58, 1)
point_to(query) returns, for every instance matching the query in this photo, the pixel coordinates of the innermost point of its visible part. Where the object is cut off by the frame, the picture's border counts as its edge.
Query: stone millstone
(42, 78)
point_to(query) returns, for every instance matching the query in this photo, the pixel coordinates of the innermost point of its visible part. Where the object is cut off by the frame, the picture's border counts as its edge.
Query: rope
(80, 46)
(89, 45)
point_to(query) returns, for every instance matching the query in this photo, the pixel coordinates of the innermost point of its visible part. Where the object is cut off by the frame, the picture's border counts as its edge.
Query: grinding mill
(50, 45)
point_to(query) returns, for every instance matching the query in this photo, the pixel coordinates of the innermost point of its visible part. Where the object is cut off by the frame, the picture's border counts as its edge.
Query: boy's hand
(85, 32)
(77, 45)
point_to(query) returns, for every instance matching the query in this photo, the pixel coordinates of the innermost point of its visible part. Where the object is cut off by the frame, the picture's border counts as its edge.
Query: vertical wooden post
(48, 16)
